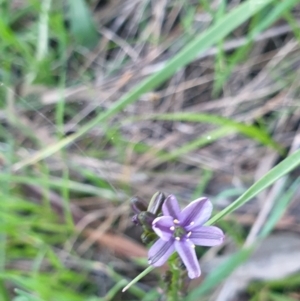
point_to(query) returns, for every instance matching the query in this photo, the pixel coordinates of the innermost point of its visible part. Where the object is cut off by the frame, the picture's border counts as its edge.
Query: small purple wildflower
(181, 230)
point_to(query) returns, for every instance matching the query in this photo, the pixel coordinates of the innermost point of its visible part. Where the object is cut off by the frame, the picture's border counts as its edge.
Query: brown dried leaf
(120, 245)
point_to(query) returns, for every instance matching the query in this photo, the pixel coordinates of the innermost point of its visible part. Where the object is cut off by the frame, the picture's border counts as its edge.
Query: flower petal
(208, 236)
(187, 253)
(171, 207)
(196, 213)
(161, 226)
(160, 252)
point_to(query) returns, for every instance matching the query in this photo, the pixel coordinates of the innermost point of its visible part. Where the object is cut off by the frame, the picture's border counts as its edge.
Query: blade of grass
(5, 194)
(274, 174)
(3, 290)
(8, 37)
(206, 7)
(220, 60)
(82, 26)
(197, 143)
(293, 23)
(205, 177)
(279, 208)
(138, 278)
(58, 183)
(65, 193)
(42, 41)
(26, 295)
(279, 297)
(248, 130)
(288, 283)
(279, 9)
(198, 45)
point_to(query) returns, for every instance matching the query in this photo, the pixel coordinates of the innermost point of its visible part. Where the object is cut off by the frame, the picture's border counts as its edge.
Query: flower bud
(135, 220)
(148, 237)
(138, 205)
(146, 218)
(156, 203)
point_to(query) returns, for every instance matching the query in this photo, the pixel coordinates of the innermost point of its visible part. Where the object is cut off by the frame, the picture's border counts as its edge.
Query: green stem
(173, 289)
(137, 278)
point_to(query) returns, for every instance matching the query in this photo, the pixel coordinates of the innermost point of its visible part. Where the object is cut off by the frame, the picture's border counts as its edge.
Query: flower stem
(137, 278)
(173, 293)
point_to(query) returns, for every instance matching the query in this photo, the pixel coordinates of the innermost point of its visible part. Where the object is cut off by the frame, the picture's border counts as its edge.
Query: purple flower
(181, 230)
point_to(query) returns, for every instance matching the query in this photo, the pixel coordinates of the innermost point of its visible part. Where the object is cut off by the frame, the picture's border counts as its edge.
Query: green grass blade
(289, 283)
(7, 36)
(196, 144)
(26, 296)
(138, 277)
(82, 26)
(248, 130)
(43, 32)
(206, 176)
(3, 243)
(58, 183)
(279, 208)
(279, 297)
(274, 174)
(278, 10)
(293, 24)
(201, 43)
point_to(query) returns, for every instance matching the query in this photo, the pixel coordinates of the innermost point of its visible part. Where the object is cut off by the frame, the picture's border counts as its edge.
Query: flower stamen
(172, 228)
(177, 238)
(192, 223)
(189, 234)
(176, 221)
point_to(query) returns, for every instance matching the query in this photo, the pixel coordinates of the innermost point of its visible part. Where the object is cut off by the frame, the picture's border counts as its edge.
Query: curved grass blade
(279, 208)
(248, 130)
(198, 45)
(197, 143)
(274, 174)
